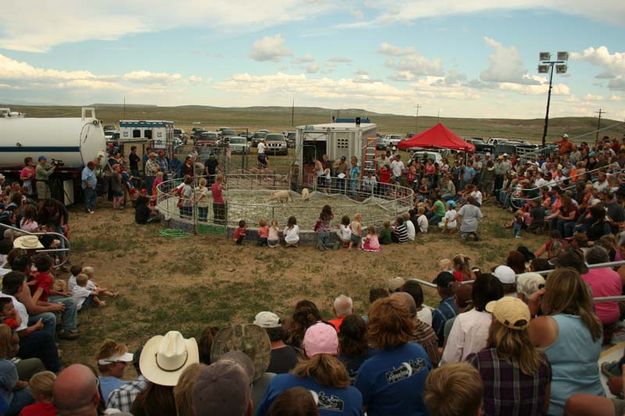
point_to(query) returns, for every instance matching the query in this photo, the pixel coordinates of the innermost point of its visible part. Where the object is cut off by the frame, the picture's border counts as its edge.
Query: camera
(57, 162)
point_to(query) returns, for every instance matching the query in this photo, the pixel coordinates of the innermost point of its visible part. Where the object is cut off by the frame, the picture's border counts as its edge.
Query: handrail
(46, 250)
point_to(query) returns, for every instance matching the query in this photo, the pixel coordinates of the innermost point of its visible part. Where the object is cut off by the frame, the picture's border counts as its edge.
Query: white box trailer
(332, 139)
(159, 133)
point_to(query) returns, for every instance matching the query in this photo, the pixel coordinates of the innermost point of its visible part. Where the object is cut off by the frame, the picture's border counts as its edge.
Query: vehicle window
(275, 137)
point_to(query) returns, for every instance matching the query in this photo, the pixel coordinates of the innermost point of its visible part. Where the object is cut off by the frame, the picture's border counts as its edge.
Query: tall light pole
(416, 119)
(546, 65)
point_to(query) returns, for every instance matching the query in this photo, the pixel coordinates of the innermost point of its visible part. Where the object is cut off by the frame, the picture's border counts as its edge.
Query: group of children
(83, 289)
(269, 235)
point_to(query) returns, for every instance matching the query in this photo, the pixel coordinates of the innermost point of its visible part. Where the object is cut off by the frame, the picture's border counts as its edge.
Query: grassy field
(191, 283)
(279, 119)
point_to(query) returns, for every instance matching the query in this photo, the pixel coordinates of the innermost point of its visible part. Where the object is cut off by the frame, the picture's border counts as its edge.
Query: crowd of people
(503, 341)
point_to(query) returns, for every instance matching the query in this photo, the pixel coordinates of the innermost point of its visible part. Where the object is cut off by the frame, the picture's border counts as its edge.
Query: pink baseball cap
(320, 338)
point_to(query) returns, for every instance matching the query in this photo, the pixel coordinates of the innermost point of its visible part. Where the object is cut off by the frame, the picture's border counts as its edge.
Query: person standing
(89, 182)
(27, 175)
(262, 156)
(219, 204)
(42, 176)
(133, 161)
(151, 169)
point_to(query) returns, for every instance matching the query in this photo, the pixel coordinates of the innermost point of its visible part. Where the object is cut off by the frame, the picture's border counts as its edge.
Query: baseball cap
(511, 312)
(444, 280)
(566, 136)
(247, 338)
(529, 283)
(40, 158)
(123, 358)
(222, 388)
(395, 283)
(267, 319)
(320, 338)
(505, 275)
(451, 203)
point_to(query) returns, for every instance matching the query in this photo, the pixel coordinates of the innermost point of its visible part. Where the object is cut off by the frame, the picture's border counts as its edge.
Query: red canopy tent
(437, 137)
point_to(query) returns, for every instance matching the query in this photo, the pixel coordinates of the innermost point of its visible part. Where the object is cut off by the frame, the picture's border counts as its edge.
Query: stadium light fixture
(546, 65)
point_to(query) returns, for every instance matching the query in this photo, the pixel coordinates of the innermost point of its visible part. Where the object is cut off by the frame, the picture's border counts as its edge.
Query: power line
(599, 112)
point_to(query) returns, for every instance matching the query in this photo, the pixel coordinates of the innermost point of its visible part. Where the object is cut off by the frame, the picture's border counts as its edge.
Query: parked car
(239, 144)
(380, 144)
(393, 139)
(423, 155)
(276, 144)
(257, 136)
(210, 138)
(226, 132)
(290, 139)
(480, 145)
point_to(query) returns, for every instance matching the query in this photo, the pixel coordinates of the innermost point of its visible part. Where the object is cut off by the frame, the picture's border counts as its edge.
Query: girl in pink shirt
(603, 282)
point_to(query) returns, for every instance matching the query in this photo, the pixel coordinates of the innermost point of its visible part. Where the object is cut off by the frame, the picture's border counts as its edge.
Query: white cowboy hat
(164, 358)
(27, 242)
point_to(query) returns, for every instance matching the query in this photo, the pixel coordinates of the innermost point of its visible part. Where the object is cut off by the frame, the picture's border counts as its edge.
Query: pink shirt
(605, 282)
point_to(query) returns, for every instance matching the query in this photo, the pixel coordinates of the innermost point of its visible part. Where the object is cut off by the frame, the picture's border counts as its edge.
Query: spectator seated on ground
(343, 306)
(122, 397)
(447, 308)
(112, 359)
(75, 392)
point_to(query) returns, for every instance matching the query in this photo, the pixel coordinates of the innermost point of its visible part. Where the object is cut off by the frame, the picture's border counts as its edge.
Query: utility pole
(416, 119)
(546, 66)
(600, 112)
(438, 117)
(292, 112)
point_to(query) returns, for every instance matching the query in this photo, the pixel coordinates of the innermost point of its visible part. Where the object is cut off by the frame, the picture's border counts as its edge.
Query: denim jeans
(90, 198)
(202, 213)
(516, 229)
(325, 240)
(40, 344)
(49, 322)
(69, 313)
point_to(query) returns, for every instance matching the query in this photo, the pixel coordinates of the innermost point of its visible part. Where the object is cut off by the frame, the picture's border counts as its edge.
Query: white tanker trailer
(69, 142)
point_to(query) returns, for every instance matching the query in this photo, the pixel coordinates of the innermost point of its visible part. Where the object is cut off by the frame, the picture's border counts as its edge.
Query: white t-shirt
(450, 216)
(477, 195)
(261, 148)
(411, 230)
(425, 315)
(71, 283)
(80, 294)
(469, 334)
(397, 166)
(470, 218)
(21, 309)
(291, 235)
(422, 223)
(345, 233)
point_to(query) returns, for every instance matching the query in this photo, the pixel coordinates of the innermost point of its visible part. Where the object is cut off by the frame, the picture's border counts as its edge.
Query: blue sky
(463, 58)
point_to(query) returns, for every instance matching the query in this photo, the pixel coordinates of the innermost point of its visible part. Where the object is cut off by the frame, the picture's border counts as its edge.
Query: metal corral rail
(249, 197)
(518, 201)
(598, 299)
(65, 244)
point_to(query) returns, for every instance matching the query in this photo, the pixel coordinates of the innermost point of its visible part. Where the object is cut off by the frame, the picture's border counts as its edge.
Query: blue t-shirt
(392, 381)
(468, 174)
(108, 384)
(8, 380)
(331, 402)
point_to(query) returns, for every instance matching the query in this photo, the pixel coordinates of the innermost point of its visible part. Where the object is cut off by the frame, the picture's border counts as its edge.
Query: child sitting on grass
(41, 388)
(344, 232)
(239, 234)
(263, 233)
(93, 286)
(273, 237)
(371, 243)
(356, 227)
(83, 295)
(385, 234)
(449, 222)
(291, 232)
(10, 317)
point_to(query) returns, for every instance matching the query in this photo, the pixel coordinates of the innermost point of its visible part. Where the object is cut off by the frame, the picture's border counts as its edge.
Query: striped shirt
(424, 335)
(445, 311)
(402, 233)
(507, 390)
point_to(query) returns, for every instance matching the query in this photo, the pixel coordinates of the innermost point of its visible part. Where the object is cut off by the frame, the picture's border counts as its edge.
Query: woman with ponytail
(321, 373)
(516, 375)
(570, 334)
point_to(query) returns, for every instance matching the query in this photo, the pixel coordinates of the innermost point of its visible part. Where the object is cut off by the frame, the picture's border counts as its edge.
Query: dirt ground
(190, 283)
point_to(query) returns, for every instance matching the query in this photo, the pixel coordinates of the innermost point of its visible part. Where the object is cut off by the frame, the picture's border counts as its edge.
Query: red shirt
(239, 232)
(44, 281)
(385, 175)
(458, 276)
(218, 196)
(263, 232)
(39, 409)
(336, 323)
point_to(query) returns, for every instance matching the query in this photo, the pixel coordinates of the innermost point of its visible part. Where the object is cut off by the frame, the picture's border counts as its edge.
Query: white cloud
(391, 11)
(312, 68)
(38, 25)
(611, 64)
(505, 65)
(340, 60)
(269, 48)
(23, 75)
(148, 77)
(408, 63)
(304, 59)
